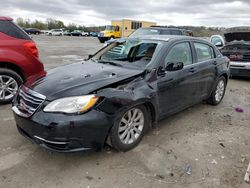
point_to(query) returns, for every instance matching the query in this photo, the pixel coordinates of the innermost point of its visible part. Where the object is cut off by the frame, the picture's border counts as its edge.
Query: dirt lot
(203, 146)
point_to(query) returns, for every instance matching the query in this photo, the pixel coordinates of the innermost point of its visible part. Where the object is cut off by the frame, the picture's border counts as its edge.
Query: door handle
(192, 69)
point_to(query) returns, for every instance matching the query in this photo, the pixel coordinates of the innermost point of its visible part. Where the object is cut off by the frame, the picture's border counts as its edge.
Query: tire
(16, 81)
(218, 91)
(122, 141)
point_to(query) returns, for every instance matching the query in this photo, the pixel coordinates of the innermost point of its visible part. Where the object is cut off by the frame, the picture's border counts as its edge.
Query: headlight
(72, 104)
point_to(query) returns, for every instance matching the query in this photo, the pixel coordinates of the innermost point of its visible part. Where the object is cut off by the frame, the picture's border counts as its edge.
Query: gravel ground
(203, 146)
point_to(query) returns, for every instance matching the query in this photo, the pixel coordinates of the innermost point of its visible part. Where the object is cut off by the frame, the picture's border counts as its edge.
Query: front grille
(28, 101)
(246, 57)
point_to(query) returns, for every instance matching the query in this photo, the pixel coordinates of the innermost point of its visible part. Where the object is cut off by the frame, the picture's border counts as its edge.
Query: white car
(218, 41)
(55, 32)
(85, 33)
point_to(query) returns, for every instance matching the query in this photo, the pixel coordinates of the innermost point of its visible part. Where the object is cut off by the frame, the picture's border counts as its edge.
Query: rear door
(206, 65)
(178, 90)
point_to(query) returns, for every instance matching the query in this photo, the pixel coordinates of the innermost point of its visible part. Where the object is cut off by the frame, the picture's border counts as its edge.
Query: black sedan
(119, 93)
(33, 31)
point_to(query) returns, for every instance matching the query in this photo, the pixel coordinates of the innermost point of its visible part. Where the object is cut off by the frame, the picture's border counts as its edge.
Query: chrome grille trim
(29, 98)
(28, 101)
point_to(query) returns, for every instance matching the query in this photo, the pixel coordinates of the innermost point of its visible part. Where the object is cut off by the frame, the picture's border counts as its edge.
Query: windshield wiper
(110, 62)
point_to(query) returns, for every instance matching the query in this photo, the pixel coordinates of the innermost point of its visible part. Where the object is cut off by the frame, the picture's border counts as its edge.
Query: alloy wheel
(8, 87)
(219, 90)
(131, 126)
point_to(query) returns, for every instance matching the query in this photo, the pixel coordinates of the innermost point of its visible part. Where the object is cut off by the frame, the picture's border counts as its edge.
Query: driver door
(178, 89)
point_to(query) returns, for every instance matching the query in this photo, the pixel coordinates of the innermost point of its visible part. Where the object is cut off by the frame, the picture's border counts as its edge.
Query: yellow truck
(122, 28)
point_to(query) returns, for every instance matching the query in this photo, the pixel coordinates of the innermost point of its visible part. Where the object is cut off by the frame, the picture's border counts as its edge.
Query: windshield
(110, 28)
(128, 51)
(145, 31)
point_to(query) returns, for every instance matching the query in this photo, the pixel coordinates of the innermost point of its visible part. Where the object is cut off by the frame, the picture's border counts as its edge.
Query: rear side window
(176, 32)
(203, 52)
(165, 32)
(11, 29)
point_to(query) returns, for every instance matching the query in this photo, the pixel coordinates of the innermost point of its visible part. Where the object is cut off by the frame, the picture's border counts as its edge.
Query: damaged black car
(119, 93)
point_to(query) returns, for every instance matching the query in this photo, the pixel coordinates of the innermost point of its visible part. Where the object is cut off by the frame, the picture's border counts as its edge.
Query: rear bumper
(240, 68)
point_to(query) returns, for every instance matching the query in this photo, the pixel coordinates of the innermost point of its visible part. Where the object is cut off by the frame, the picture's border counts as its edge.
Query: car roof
(160, 28)
(165, 28)
(4, 18)
(165, 38)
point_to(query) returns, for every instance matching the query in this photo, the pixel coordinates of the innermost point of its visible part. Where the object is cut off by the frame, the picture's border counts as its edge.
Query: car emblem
(22, 105)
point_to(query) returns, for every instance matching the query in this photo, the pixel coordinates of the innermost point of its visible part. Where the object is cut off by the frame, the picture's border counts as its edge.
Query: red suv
(18, 59)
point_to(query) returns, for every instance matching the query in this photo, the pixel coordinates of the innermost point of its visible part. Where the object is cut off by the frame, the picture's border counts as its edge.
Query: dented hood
(79, 79)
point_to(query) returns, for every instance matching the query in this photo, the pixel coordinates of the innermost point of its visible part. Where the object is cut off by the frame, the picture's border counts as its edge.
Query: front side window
(180, 53)
(203, 52)
(110, 28)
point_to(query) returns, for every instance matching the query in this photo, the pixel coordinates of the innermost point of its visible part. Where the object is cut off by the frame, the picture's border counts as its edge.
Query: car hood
(237, 36)
(79, 79)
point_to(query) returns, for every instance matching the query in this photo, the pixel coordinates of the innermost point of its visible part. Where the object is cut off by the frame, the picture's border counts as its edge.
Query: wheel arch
(13, 67)
(152, 111)
(225, 75)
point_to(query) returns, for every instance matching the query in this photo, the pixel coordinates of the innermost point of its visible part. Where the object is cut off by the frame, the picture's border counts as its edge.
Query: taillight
(31, 47)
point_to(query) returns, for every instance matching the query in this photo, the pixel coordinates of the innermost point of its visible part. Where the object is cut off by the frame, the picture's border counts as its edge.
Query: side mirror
(219, 44)
(174, 66)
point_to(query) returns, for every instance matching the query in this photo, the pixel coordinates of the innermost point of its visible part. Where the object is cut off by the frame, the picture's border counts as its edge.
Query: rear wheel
(9, 84)
(218, 92)
(129, 128)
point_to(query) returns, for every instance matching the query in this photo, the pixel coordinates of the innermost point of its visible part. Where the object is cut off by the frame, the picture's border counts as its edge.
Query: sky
(217, 13)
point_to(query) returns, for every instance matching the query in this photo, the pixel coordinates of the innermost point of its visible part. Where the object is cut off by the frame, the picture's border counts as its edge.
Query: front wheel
(129, 128)
(218, 92)
(9, 84)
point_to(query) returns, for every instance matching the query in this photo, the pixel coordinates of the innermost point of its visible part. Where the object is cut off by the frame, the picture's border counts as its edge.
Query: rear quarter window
(11, 29)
